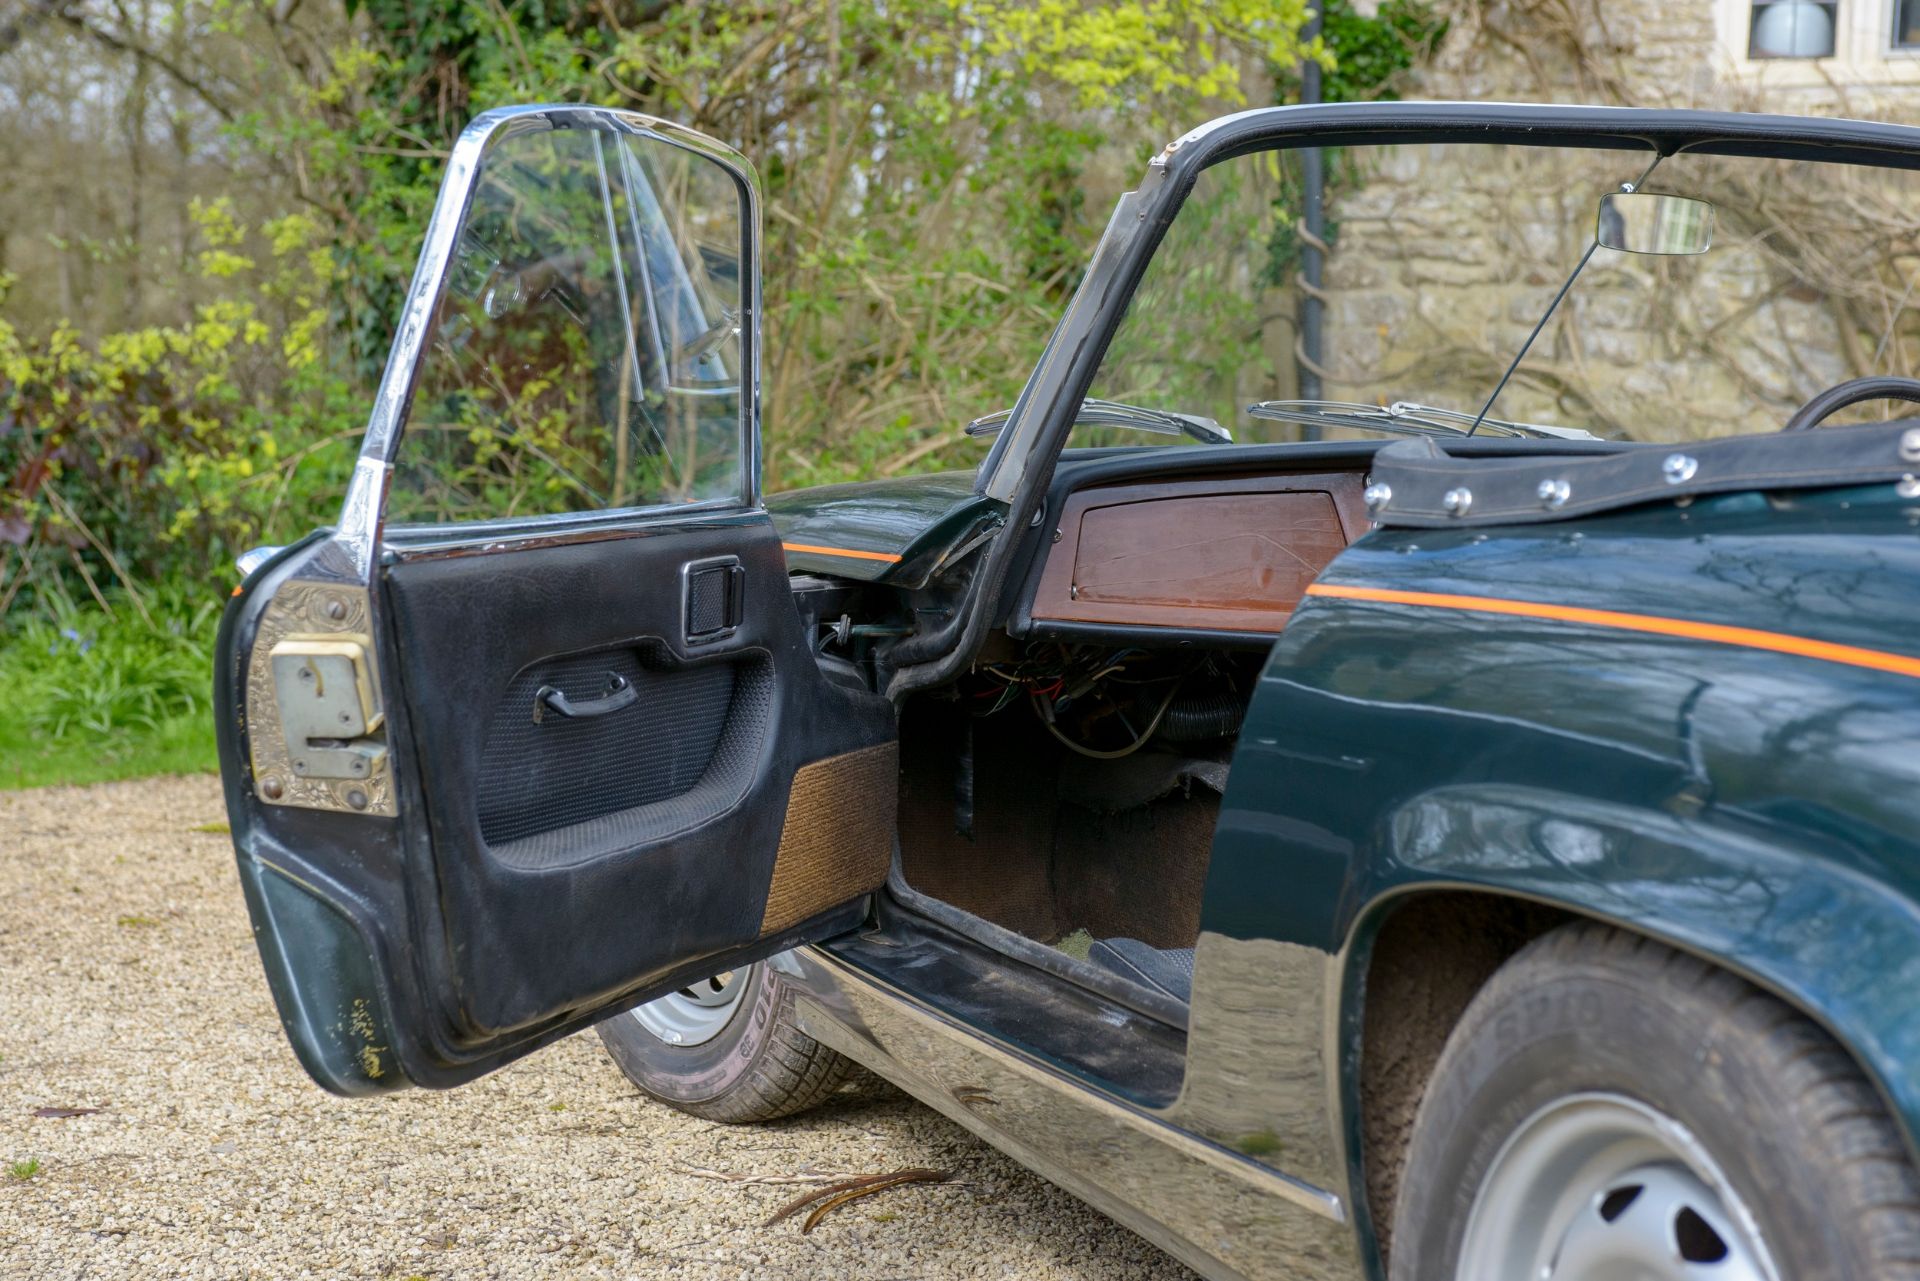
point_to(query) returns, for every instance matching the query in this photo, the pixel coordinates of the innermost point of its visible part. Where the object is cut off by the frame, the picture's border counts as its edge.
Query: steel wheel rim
(1600, 1187)
(696, 1013)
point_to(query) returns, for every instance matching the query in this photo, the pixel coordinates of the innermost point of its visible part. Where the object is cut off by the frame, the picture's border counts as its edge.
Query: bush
(149, 455)
(89, 672)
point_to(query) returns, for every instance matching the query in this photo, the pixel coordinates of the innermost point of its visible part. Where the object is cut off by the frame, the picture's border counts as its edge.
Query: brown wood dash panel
(1228, 555)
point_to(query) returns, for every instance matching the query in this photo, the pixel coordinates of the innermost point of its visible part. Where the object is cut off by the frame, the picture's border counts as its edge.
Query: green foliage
(1370, 58)
(147, 455)
(183, 744)
(21, 1171)
(88, 672)
(935, 172)
(95, 695)
(1260, 1143)
(1112, 55)
(1186, 334)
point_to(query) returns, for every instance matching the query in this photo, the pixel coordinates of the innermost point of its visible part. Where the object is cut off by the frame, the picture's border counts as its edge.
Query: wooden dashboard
(1225, 555)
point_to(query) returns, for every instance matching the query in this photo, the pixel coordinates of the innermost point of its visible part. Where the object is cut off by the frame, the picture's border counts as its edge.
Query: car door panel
(560, 744)
(678, 802)
(418, 948)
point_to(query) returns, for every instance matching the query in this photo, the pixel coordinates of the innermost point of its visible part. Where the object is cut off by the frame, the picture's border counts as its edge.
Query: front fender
(1757, 804)
(1841, 946)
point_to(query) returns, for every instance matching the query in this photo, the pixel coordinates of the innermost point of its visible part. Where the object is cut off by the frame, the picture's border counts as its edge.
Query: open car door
(535, 734)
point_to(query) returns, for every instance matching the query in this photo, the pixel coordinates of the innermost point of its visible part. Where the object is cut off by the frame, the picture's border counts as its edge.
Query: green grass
(181, 745)
(21, 1171)
(92, 696)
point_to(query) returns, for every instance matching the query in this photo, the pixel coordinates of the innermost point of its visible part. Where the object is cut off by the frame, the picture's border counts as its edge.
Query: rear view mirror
(1648, 224)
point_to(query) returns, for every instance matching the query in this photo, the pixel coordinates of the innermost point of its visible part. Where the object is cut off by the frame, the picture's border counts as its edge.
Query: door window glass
(587, 351)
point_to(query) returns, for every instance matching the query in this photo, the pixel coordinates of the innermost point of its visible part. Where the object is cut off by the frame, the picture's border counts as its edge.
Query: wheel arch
(1457, 901)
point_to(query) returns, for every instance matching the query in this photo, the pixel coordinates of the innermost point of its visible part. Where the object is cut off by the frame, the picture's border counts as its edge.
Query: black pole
(1313, 224)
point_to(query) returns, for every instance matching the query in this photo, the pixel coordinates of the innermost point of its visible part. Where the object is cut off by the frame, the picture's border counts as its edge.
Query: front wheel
(727, 1048)
(1608, 1107)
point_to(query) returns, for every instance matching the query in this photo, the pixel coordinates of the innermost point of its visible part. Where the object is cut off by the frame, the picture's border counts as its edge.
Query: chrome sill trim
(1261, 1179)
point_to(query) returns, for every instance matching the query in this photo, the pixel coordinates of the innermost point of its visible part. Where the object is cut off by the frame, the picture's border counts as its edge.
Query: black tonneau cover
(1417, 484)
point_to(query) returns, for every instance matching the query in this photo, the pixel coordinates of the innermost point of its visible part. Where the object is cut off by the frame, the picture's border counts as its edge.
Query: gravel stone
(129, 983)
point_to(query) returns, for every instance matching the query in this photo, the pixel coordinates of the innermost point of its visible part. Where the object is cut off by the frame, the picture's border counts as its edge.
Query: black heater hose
(1200, 717)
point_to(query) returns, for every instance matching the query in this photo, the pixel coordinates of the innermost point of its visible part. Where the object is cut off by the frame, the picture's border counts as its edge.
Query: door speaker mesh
(837, 840)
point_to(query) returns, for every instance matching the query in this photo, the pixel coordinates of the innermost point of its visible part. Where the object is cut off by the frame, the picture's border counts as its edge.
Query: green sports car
(1468, 830)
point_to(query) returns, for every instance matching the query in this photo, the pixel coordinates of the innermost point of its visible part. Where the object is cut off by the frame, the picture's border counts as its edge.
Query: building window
(1804, 28)
(1906, 24)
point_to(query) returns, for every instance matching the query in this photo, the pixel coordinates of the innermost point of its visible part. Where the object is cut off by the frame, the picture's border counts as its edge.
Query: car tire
(753, 1064)
(1606, 1098)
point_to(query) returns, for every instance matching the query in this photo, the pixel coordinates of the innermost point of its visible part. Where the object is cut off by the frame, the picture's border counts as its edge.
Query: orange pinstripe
(1745, 637)
(888, 557)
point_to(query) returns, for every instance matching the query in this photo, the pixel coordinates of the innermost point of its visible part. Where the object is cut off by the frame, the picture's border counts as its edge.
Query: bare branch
(119, 43)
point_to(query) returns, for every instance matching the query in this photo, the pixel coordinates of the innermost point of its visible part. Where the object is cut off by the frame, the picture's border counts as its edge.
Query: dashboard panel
(1222, 554)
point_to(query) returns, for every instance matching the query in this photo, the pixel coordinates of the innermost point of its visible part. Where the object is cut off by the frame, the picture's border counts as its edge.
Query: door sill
(1059, 1018)
(1018, 947)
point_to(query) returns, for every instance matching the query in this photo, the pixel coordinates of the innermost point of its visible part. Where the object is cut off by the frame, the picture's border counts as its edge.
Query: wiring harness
(1109, 703)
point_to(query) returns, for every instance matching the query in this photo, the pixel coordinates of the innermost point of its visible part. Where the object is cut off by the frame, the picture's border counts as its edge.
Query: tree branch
(120, 44)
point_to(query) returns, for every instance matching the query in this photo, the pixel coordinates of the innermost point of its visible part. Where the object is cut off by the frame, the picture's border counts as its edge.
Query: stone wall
(1445, 257)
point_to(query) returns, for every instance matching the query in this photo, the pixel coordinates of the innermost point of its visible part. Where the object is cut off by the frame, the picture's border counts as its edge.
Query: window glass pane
(1906, 24)
(1792, 29)
(587, 352)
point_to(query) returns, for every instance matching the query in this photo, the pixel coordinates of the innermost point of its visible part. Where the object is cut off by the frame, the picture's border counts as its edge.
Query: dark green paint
(1758, 808)
(924, 520)
(328, 995)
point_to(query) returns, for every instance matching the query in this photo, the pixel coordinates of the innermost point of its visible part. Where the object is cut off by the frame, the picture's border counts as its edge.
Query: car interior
(1065, 789)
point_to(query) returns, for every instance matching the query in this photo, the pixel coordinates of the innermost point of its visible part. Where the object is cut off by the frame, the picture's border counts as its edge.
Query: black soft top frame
(1668, 132)
(1417, 484)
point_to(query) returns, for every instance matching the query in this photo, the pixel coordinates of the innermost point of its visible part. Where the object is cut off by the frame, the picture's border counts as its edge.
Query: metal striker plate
(315, 726)
(327, 705)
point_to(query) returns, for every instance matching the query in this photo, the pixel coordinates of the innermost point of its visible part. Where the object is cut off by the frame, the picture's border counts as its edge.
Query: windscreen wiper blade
(1403, 418)
(1113, 413)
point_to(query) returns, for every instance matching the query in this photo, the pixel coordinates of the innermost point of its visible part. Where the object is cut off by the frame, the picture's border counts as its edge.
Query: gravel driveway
(129, 983)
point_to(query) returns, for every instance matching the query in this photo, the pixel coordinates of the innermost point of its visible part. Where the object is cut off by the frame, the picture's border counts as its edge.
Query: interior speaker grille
(837, 840)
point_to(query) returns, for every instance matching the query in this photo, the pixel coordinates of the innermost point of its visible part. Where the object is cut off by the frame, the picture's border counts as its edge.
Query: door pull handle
(620, 693)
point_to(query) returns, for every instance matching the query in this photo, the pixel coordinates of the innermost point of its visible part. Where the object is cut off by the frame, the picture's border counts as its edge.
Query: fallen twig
(854, 1194)
(849, 1189)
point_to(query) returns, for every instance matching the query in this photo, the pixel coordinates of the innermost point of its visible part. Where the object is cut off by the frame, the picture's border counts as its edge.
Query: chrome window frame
(362, 530)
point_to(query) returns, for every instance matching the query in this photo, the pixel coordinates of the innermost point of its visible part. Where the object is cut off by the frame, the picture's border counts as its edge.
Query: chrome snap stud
(1377, 495)
(1679, 468)
(1908, 486)
(1554, 493)
(1910, 445)
(1457, 501)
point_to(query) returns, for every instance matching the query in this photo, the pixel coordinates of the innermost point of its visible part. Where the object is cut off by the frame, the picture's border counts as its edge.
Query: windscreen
(1441, 259)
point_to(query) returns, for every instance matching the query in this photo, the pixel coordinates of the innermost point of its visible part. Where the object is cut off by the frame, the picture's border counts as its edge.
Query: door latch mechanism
(329, 706)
